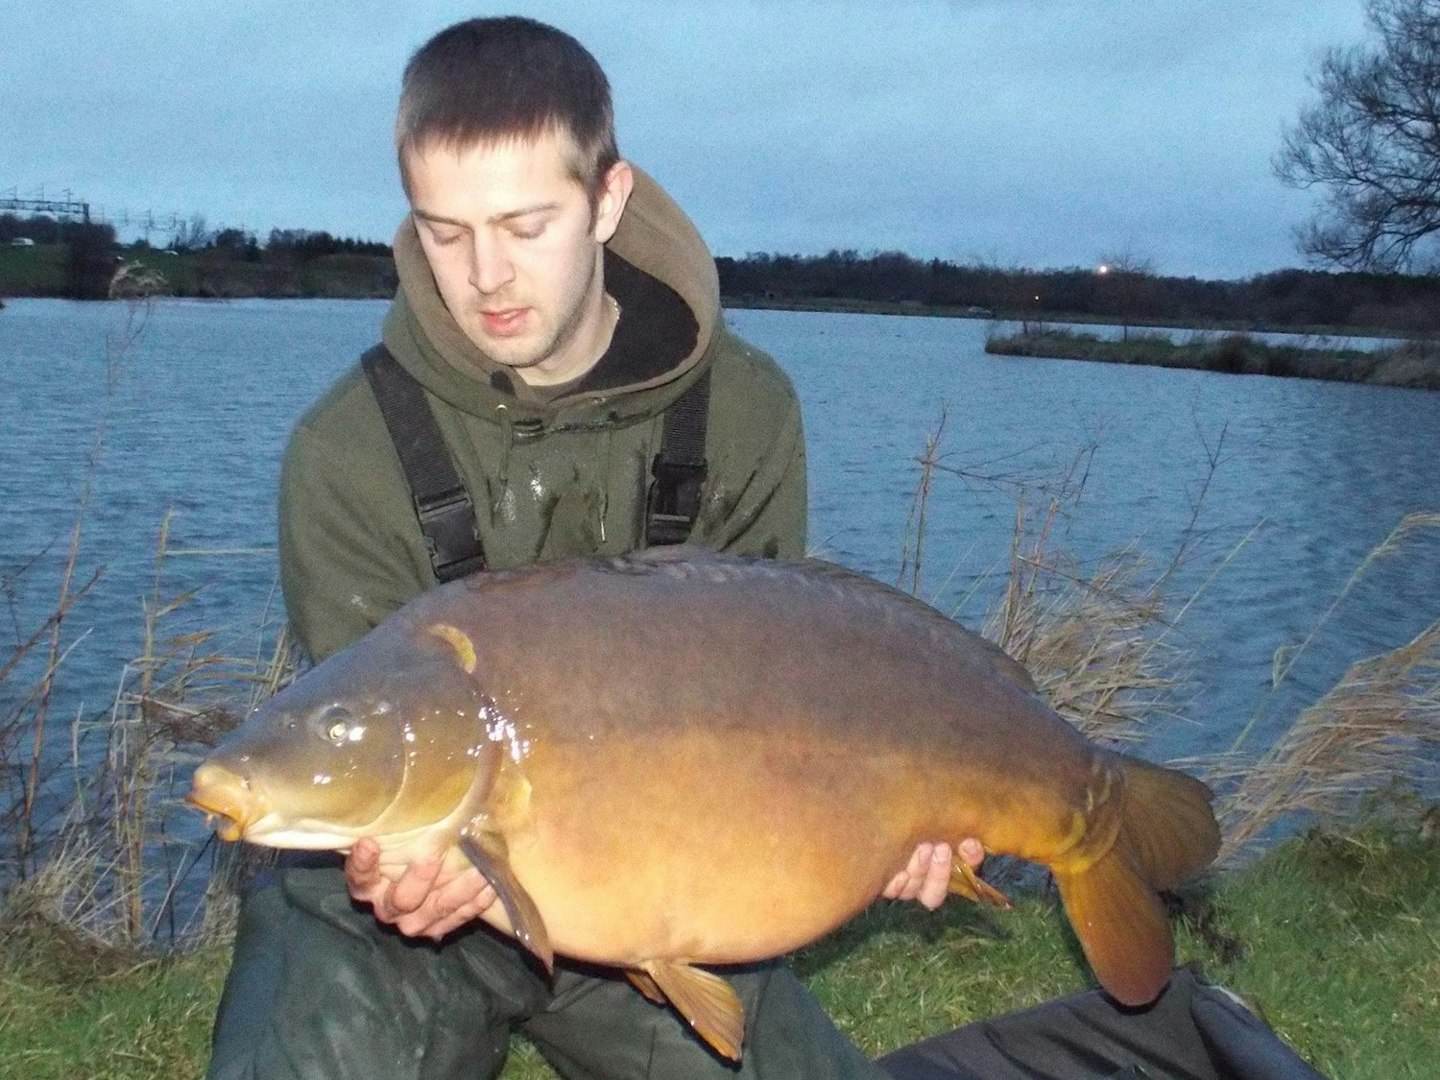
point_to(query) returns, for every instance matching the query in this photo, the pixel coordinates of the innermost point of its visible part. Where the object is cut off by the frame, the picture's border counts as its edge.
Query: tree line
(1289, 298)
(214, 258)
(219, 260)
(192, 235)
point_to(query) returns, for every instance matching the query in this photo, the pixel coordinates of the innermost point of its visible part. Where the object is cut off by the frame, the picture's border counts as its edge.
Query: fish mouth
(226, 799)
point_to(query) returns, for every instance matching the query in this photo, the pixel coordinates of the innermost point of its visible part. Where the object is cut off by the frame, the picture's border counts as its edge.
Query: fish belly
(720, 848)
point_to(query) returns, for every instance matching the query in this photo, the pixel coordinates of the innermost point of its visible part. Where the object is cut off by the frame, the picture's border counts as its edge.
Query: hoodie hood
(654, 238)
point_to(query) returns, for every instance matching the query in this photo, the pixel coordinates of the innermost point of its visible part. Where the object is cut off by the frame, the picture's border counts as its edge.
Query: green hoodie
(551, 478)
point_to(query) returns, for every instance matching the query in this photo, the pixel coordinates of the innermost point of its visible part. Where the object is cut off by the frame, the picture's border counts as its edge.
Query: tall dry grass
(88, 803)
(1093, 638)
(1097, 640)
(1377, 728)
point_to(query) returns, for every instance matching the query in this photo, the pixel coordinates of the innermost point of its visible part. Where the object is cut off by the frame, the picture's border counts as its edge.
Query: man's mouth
(505, 323)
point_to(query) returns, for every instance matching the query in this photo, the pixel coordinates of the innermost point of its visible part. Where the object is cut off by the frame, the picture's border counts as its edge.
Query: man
(554, 303)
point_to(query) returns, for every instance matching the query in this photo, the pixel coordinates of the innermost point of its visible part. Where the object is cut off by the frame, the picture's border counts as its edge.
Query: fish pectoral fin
(488, 852)
(707, 1002)
(647, 986)
(964, 881)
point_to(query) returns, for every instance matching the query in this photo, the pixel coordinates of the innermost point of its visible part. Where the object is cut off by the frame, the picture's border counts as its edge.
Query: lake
(1315, 474)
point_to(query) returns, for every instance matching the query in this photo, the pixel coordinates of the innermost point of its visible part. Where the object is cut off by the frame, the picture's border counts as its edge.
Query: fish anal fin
(487, 850)
(964, 881)
(706, 1001)
(1121, 926)
(646, 985)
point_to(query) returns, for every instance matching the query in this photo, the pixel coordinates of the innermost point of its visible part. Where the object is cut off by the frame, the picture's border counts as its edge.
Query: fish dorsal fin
(706, 1001)
(487, 850)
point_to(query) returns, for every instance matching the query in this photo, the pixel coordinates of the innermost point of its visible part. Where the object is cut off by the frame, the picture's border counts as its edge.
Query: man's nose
(490, 269)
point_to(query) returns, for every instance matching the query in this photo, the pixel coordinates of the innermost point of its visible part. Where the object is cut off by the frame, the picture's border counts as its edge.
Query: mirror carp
(678, 758)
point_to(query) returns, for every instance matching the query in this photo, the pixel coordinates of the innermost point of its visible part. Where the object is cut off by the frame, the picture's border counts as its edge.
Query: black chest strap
(673, 502)
(446, 511)
(443, 506)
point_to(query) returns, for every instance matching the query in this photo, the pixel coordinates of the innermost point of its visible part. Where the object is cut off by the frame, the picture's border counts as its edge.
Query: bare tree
(192, 235)
(1372, 142)
(1123, 275)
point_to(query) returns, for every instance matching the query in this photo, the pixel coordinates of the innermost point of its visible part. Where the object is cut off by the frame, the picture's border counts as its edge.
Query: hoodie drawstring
(507, 442)
(606, 434)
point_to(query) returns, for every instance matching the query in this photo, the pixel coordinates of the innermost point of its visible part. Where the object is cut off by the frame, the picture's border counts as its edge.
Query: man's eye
(528, 232)
(445, 239)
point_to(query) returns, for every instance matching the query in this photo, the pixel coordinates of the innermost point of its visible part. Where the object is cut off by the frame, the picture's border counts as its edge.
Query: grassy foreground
(1334, 938)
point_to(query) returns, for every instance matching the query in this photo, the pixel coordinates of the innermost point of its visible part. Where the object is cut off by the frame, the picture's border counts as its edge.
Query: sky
(1035, 133)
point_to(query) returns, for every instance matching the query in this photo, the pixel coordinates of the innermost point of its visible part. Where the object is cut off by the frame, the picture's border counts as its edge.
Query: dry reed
(1377, 728)
(88, 807)
(1092, 639)
(1097, 644)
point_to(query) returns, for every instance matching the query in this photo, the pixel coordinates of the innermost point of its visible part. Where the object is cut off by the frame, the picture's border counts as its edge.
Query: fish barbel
(679, 758)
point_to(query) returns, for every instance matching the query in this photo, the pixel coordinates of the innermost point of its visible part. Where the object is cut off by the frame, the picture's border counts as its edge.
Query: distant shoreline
(39, 271)
(1412, 364)
(839, 306)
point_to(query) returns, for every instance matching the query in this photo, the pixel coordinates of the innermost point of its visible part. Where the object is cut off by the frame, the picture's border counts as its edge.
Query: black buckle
(447, 521)
(674, 501)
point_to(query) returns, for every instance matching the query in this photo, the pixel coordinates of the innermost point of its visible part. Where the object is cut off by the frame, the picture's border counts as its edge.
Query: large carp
(678, 758)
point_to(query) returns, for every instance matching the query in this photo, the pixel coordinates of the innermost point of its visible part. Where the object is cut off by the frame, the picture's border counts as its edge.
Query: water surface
(204, 398)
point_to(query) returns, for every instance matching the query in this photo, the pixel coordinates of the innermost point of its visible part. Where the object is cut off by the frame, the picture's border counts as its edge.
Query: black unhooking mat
(1195, 1031)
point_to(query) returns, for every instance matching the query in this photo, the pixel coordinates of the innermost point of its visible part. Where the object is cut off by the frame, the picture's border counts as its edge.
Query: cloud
(1038, 130)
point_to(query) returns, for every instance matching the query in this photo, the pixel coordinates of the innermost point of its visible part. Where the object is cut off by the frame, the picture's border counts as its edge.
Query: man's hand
(424, 901)
(927, 878)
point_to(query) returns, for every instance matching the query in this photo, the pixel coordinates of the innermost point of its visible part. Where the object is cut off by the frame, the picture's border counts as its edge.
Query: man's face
(515, 247)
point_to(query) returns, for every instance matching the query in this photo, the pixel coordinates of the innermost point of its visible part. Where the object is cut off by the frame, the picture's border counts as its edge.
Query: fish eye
(337, 723)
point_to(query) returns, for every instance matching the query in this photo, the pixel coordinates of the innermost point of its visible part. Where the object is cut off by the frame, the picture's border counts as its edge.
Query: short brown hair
(489, 80)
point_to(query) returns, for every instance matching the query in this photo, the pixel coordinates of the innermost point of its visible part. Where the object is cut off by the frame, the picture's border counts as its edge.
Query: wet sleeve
(758, 505)
(341, 569)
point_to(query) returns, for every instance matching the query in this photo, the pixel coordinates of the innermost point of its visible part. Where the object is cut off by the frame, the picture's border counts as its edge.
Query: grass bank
(1414, 364)
(1333, 938)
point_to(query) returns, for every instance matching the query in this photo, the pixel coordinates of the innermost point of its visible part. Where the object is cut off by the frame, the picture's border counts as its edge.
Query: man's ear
(615, 190)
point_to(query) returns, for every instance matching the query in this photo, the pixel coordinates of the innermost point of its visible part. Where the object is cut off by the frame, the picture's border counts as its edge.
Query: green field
(40, 271)
(32, 271)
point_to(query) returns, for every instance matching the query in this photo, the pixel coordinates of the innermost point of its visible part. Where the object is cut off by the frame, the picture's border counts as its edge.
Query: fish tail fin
(1168, 825)
(1121, 926)
(1167, 835)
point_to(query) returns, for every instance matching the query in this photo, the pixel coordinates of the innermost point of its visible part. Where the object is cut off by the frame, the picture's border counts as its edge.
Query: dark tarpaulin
(1195, 1031)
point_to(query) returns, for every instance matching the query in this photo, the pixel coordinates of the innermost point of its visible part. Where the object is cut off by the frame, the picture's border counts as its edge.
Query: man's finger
(906, 884)
(466, 913)
(414, 885)
(463, 889)
(897, 885)
(972, 852)
(362, 868)
(920, 859)
(935, 885)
